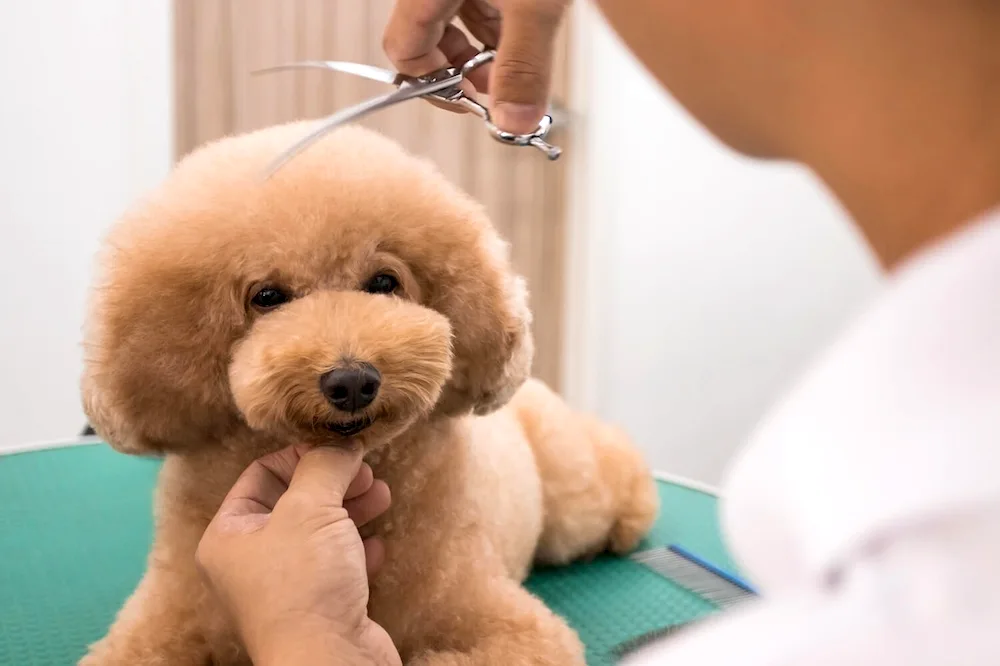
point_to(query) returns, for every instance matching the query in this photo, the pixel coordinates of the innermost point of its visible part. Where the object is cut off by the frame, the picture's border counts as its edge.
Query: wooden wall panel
(220, 42)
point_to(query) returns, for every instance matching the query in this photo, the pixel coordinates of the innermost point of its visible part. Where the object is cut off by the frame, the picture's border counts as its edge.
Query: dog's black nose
(353, 388)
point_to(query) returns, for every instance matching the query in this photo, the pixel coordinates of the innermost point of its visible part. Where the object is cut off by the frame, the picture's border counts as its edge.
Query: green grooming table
(75, 526)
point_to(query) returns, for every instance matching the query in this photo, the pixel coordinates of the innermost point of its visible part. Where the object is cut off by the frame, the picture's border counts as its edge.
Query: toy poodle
(354, 296)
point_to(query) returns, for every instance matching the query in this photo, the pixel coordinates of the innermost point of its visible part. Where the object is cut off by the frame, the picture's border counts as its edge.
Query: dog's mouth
(350, 428)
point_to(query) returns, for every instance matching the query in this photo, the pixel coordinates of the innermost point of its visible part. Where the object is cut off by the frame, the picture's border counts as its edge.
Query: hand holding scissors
(423, 36)
(442, 86)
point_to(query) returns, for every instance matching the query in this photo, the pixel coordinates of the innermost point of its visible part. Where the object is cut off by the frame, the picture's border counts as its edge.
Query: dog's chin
(369, 430)
(352, 428)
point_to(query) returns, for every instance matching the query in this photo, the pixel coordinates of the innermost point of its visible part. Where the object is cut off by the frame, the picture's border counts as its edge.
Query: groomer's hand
(284, 555)
(421, 37)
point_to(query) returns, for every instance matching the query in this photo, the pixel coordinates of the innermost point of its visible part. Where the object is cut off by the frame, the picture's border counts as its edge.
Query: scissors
(442, 86)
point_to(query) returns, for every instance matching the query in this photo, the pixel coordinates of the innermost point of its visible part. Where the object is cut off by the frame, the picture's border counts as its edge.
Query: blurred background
(677, 288)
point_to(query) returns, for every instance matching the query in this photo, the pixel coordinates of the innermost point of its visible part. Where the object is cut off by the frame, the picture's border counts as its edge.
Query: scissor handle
(536, 138)
(477, 61)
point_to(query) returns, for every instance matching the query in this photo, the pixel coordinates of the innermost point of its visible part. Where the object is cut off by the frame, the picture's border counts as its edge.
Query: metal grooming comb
(635, 644)
(696, 575)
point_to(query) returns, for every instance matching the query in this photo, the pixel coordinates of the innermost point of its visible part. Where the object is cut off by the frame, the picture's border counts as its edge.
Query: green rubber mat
(75, 526)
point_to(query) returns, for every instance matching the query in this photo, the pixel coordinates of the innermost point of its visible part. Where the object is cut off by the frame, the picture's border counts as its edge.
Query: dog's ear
(112, 418)
(487, 305)
(156, 343)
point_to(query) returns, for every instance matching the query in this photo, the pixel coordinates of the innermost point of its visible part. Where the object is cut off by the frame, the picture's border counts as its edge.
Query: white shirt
(867, 505)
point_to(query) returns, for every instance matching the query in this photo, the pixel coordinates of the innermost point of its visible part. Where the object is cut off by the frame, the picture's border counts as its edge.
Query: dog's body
(185, 358)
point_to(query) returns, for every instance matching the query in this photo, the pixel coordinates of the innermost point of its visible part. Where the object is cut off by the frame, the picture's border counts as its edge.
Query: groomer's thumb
(323, 475)
(522, 73)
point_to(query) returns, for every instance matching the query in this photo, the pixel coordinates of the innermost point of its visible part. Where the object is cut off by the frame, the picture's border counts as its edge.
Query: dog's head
(353, 292)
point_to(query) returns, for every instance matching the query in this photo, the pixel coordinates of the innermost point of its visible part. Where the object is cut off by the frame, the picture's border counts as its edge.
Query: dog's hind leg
(598, 492)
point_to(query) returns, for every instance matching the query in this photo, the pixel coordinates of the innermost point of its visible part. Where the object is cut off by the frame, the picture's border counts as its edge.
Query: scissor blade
(405, 92)
(355, 68)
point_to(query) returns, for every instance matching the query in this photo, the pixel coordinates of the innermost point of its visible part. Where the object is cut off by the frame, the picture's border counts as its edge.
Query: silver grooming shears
(442, 86)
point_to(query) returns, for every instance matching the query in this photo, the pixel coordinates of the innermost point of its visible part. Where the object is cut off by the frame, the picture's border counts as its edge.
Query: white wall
(710, 279)
(85, 126)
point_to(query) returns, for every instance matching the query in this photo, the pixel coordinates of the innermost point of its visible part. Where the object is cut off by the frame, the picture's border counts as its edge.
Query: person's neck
(909, 131)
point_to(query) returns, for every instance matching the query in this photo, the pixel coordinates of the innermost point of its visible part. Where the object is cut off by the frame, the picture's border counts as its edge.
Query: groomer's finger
(374, 554)
(457, 50)
(266, 479)
(522, 72)
(413, 33)
(262, 484)
(323, 476)
(369, 506)
(455, 45)
(362, 482)
(482, 20)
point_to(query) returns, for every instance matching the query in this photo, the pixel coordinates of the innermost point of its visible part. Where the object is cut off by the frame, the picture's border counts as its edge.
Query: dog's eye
(383, 283)
(268, 298)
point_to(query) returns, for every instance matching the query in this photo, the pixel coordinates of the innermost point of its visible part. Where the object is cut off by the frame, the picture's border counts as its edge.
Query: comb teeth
(626, 648)
(720, 589)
